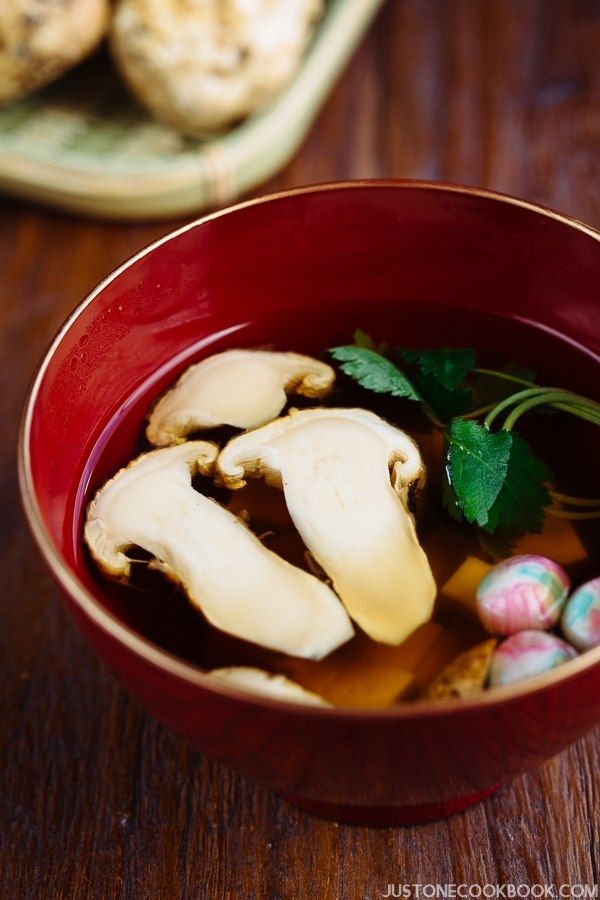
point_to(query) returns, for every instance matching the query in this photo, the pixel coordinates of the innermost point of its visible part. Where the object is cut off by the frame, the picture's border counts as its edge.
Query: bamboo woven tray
(83, 144)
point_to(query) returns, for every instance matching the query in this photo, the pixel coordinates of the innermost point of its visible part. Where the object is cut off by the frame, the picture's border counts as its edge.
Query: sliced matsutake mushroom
(259, 682)
(240, 586)
(243, 388)
(346, 475)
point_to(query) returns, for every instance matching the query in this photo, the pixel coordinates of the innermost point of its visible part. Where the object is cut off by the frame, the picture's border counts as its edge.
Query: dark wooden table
(97, 799)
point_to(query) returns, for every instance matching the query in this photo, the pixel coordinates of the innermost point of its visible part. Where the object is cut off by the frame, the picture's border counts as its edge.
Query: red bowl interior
(427, 264)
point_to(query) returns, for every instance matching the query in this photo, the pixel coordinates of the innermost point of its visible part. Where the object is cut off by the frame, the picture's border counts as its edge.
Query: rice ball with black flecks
(202, 65)
(42, 39)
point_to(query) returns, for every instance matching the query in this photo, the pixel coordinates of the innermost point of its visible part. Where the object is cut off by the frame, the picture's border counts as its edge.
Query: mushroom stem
(240, 586)
(345, 474)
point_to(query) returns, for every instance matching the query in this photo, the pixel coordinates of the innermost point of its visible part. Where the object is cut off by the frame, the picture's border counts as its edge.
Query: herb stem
(582, 411)
(528, 399)
(571, 403)
(591, 416)
(427, 410)
(574, 501)
(510, 401)
(495, 374)
(568, 514)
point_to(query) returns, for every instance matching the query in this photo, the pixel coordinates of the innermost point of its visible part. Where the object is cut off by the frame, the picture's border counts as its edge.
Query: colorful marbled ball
(528, 653)
(522, 593)
(581, 617)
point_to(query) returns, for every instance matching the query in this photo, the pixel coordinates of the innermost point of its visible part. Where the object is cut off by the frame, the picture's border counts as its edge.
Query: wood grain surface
(99, 801)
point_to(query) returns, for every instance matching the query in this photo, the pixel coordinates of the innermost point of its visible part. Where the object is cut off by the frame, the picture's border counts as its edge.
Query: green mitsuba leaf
(446, 404)
(373, 371)
(477, 466)
(449, 366)
(495, 480)
(437, 374)
(520, 504)
(449, 498)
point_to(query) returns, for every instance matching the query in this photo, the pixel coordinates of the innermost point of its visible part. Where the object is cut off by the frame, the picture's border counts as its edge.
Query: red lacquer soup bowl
(425, 264)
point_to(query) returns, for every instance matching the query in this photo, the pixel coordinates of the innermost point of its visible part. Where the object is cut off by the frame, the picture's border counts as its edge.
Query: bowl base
(385, 816)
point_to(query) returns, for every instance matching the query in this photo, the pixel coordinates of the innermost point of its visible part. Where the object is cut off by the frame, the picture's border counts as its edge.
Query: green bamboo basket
(84, 144)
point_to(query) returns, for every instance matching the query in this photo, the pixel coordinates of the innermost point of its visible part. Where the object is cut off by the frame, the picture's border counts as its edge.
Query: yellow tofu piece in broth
(409, 653)
(558, 541)
(376, 686)
(365, 672)
(461, 587)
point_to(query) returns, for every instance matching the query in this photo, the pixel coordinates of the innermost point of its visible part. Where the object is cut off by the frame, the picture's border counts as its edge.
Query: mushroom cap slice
(260, 682)
(346, 475)
(240, 586)
(243, 388)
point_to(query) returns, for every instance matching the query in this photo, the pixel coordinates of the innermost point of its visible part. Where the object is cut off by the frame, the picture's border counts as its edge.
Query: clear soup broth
(361, 673)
